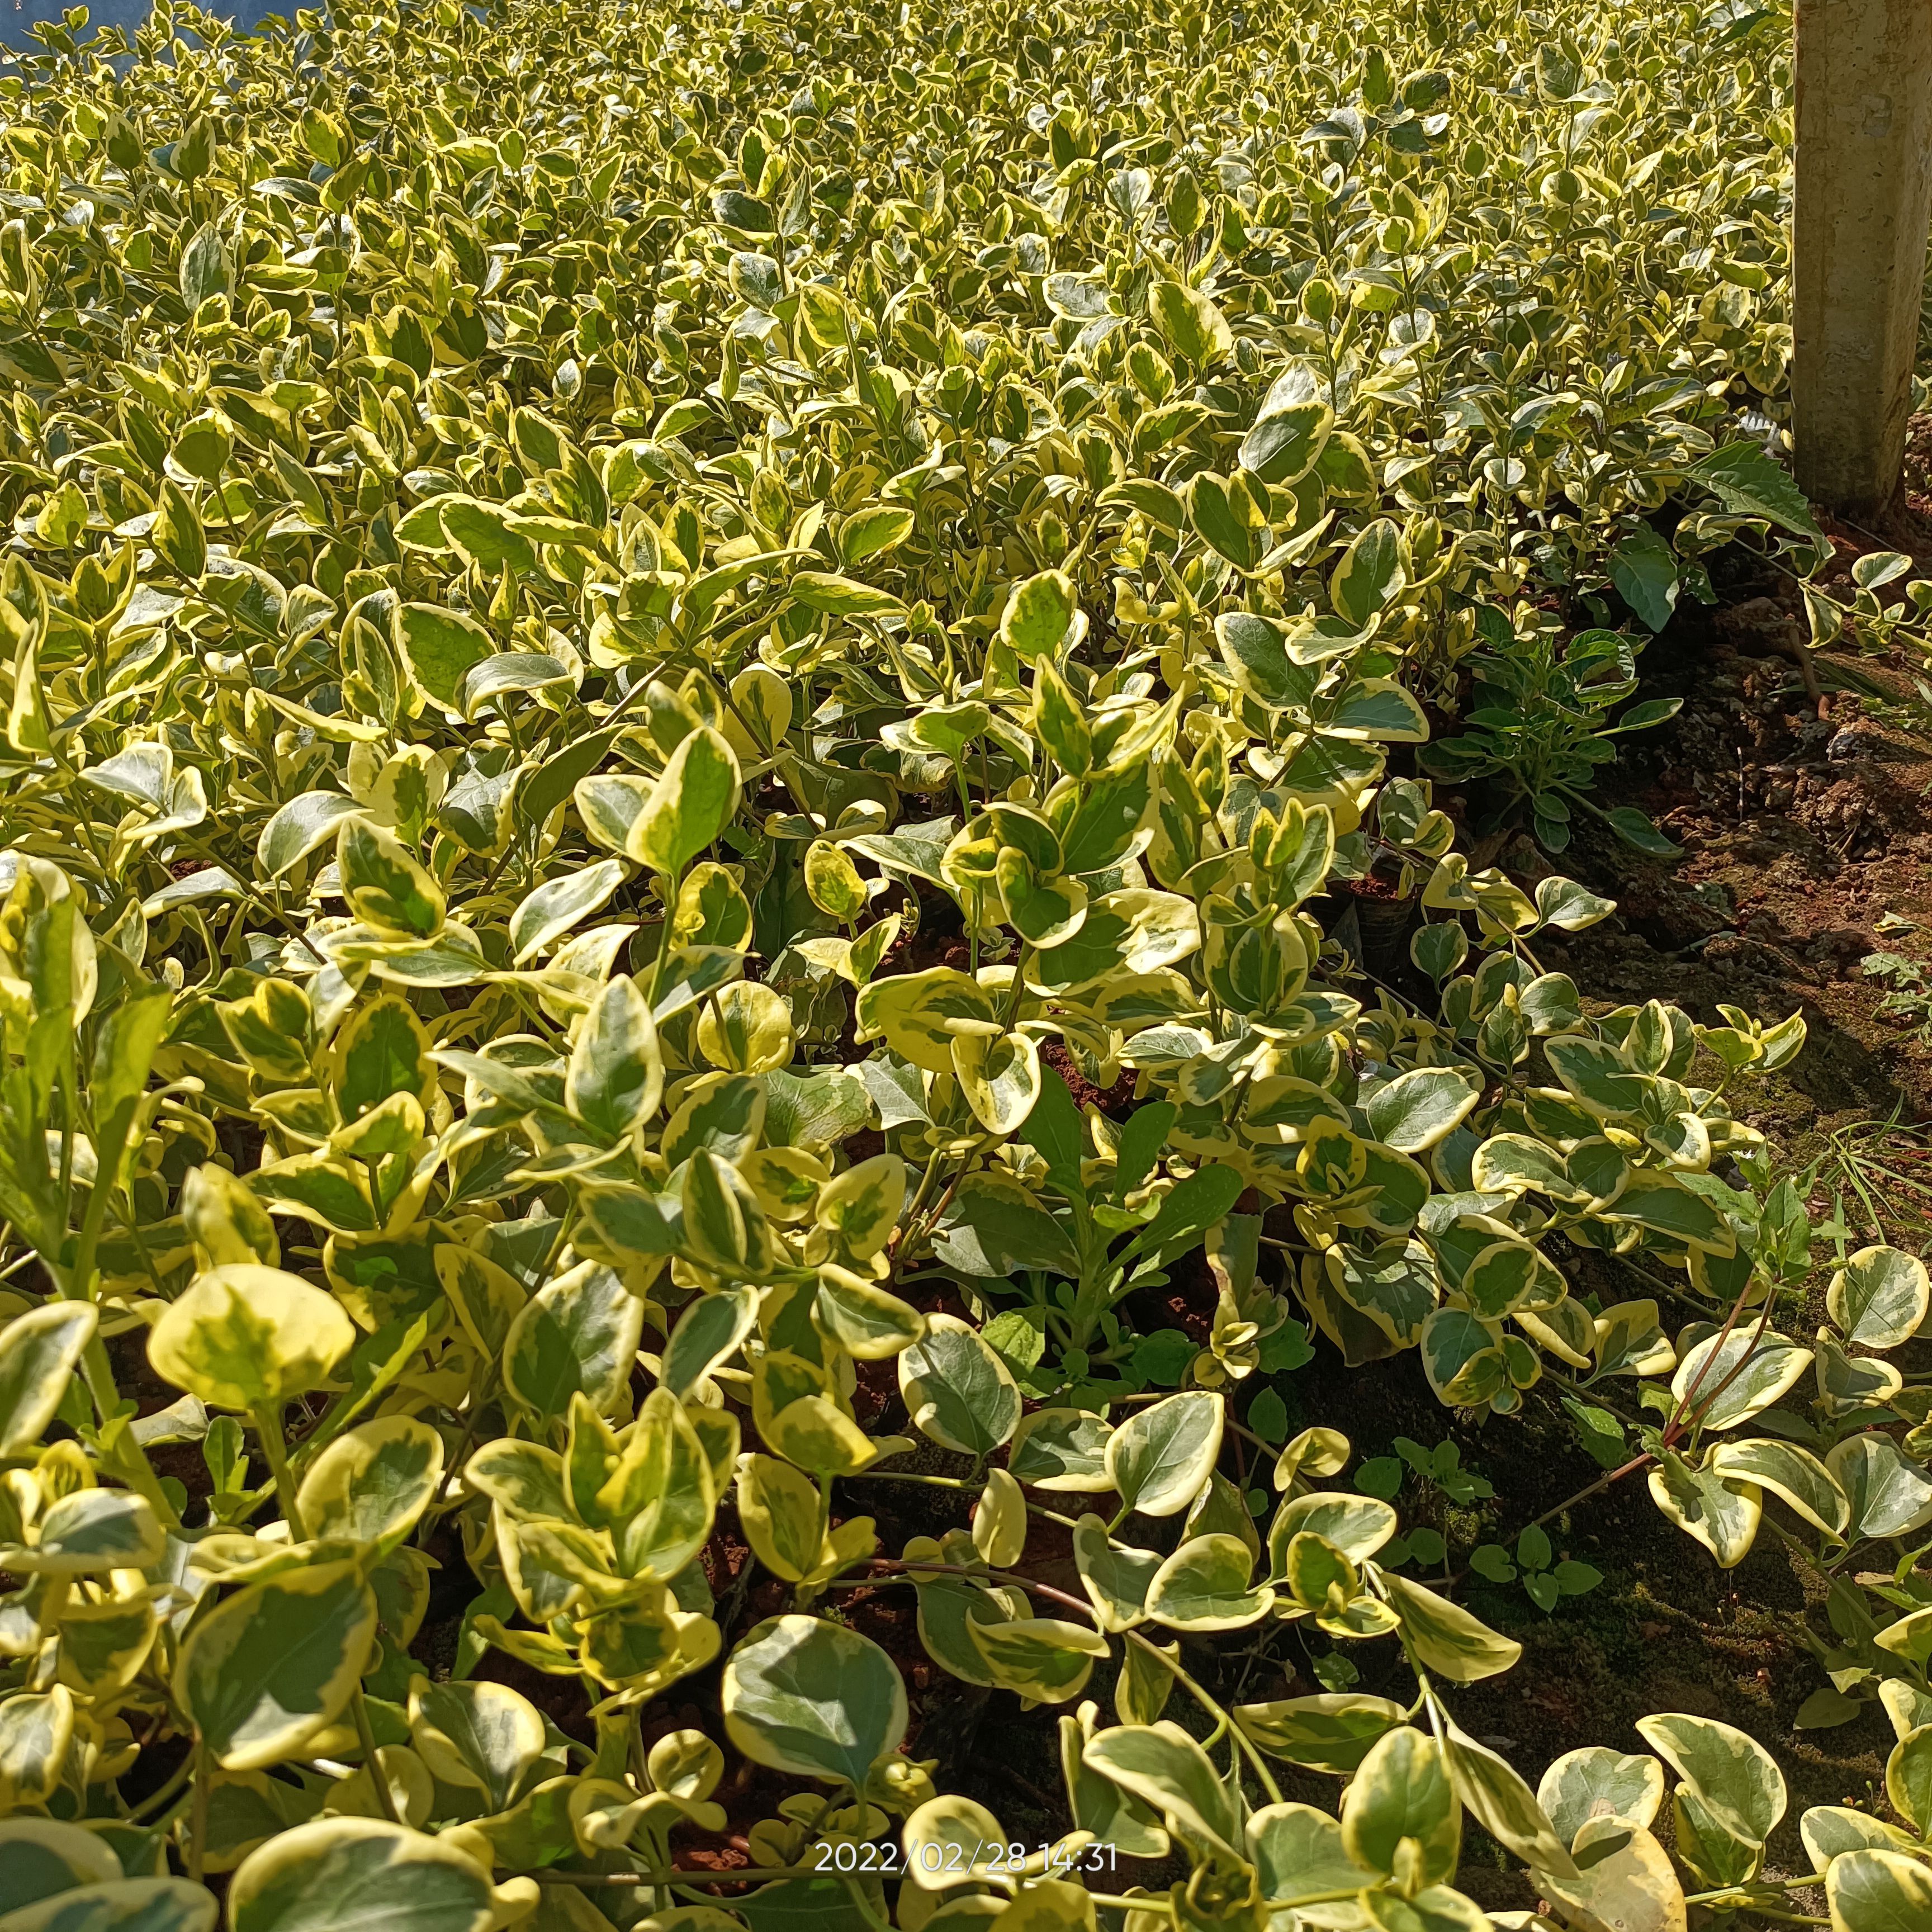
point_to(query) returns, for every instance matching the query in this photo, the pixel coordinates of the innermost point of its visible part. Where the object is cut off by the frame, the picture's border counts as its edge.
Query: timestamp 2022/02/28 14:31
(932, 1859)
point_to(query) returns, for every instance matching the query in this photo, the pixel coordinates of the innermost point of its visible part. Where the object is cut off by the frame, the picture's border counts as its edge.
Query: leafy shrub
(634, 643)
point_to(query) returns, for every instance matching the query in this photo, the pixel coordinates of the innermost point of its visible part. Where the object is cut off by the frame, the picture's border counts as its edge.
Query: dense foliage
(635, 641)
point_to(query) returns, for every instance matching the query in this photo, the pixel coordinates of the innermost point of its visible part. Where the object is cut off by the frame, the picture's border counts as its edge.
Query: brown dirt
(1802, 835)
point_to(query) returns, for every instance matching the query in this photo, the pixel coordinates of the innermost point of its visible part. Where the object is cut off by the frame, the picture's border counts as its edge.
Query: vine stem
(951, 1482)
(1682, 1417)
(885, 1566)
(149, 1806)
(197, 1842)
(268, 1421)
(358, 1707)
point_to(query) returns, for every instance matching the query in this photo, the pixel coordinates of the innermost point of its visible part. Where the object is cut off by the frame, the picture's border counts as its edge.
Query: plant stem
(358, 1706)
(197, 1842)
(949, 1482)
(158, 1800)
(268, 1423)
(890, 1566)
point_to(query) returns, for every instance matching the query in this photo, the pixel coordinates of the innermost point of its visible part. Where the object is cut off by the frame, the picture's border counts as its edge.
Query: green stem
(159, 1799)
(912, 1571)
(950, 1482)
(664, 937)
(268, 1423)
(358, 1706)
(477, 1402)
(197, 1842)
(856, 1892)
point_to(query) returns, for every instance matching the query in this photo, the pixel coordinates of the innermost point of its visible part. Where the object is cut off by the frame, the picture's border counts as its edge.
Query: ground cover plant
(753, 767)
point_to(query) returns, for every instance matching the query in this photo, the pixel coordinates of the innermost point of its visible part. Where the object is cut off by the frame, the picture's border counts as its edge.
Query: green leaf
(1376, 710)
(39, 1352)
(994, 1229)
(688, 806)
(1218, 515)
(1188, 1210)
(813, 1699)
(438, 647)
(481, 534)
(266, 1670)
(359, 1875)
(1043, 1658)
(1357, 1525)
(1060, 721)
(1643, 568)
(1445, 1637)
(956, 1390)
(1634, 828)
(1160, 1457)
(1749, 484)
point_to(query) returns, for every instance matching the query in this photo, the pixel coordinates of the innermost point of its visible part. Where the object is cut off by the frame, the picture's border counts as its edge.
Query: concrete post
(1862, 213)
